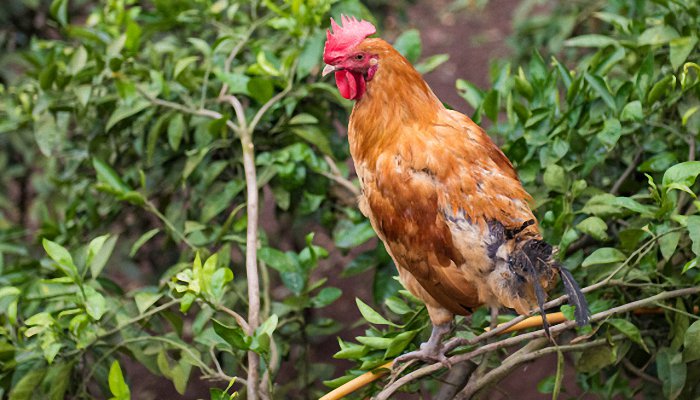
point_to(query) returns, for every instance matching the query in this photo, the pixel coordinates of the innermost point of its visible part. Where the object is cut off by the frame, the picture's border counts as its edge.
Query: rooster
(444, 199)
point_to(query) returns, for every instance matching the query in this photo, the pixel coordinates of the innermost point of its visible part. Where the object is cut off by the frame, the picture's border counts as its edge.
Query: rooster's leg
(432, 350)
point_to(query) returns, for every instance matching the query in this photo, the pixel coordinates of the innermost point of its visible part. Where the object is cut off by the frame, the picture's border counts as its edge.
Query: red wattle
(350, 85)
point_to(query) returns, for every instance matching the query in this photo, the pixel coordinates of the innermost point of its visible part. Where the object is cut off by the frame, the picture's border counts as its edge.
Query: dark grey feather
(576, 297)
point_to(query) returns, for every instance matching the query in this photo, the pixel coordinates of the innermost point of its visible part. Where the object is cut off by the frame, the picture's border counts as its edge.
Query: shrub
(134, 148)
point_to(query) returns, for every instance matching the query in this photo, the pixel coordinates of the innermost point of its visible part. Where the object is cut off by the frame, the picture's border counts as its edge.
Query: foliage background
(125, 219)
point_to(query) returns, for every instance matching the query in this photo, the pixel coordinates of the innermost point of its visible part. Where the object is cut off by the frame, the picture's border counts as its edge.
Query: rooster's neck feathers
(396, 96)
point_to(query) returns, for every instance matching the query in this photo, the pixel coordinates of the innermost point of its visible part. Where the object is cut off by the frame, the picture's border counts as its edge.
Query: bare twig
(627, 172)
(336, 176)
(261, 112)
(478, 382)
(239, 319)
(640, 373)
(236, 49)
(238, 109)
(251, 256)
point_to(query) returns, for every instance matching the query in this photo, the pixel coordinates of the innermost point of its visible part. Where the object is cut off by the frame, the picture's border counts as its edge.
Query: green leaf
(691, 343)
(48, 135)
(660, 34)
(681, 49)
(632, 111)
(350, 351)
(605, 255)
(399, 343)
(219, 279)
(303, 119)
(694, 233)
(58, 377)
(599, 85)
(59, 10)
(594, 359)
(233, 335)
(672, 372)
(629, 330)
(117, 385)
(668, 244)
(375, 342)
(260, 89)
(690, 265)
(555, 178)
(326, 296)
(348, 235)
(684, 173)
(176, 128)
(62, 258)
(469, 92)
(595, 227)
(397, 305)
(144, 300)
(95, 303)
(660, 88)
(266, 66)
(181, 375)
(182, 64)
(77, 61)
(108, 176)
(276, 259)
(658, 163)
(431, 63)
(99, 251)
(142, 240)
(409, 45)
(25, 387)
(370, 315)
(609, 135)
(591, 40)
(268, 327)
(125, 111)
(315, 136)
(490, 105)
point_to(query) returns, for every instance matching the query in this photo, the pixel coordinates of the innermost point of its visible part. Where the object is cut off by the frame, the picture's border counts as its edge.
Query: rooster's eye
(359, 57)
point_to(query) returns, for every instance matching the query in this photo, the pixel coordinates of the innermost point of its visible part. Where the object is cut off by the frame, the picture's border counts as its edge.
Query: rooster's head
(352, 66)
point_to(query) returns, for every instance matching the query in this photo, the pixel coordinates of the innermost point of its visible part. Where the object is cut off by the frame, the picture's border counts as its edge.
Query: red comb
(345, 37)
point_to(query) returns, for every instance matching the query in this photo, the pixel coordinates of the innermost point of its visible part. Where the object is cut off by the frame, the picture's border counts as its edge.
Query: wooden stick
(360, 381)
(532, 322)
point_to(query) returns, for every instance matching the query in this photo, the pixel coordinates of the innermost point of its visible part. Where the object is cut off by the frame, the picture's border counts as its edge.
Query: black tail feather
(539, 294)
(576, 297)
(537, 250)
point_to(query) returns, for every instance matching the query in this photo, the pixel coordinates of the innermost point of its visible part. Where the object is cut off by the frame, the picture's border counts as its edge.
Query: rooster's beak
(328, 69)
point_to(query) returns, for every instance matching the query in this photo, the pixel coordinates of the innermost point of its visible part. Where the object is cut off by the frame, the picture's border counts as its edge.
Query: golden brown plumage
(440, 194)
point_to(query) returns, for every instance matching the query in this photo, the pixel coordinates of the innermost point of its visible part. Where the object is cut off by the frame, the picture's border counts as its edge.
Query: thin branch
(153, 209)
(429, 369)
(628, 171)
(336, 176)
(532, 351)
(179, 107)
(236, 49)
(251, 256)
(261, 112)
(238, 109)
(640, 373)
(239, 319)
(478, 382)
